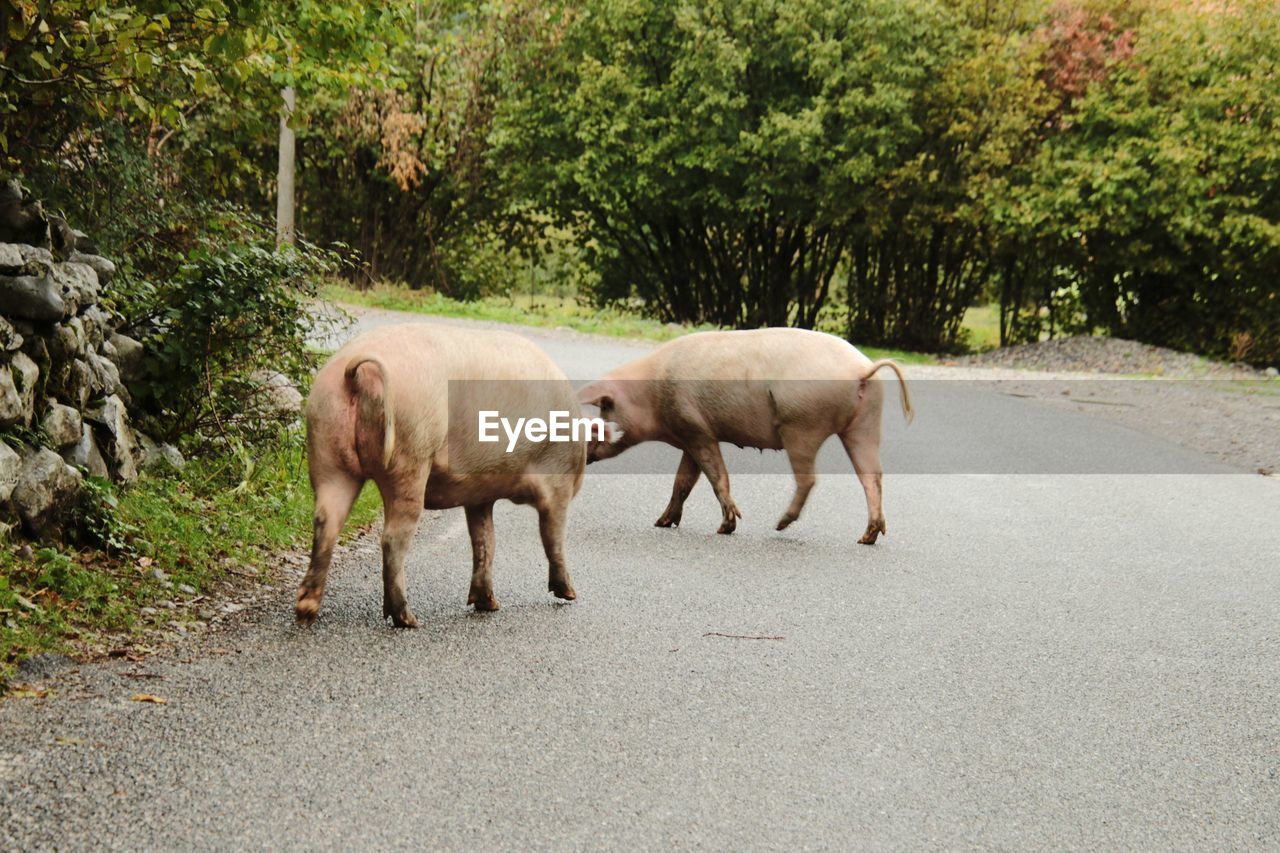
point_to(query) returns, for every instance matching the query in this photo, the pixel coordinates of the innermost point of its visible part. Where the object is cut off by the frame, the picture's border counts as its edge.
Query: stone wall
(64, 369)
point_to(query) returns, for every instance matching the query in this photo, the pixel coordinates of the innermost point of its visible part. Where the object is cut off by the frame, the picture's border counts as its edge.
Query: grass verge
(172, 537)
(544, 312)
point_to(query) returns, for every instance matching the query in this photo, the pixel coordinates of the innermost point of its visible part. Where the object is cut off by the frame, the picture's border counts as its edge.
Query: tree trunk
(284, 178)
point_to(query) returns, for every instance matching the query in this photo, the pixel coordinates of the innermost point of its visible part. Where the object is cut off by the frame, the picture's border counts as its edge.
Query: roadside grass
(544, 312)
(981, 324)
(520, 309)
(218, 519)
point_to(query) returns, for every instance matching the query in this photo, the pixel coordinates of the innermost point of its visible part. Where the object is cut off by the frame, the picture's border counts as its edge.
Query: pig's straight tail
(366, 413)
(907, 411)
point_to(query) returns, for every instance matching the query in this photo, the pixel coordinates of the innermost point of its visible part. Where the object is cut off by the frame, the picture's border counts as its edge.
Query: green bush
(230, 314)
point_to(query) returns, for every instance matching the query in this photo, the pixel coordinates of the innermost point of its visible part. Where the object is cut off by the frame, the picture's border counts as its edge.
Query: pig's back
(434, 352)
(760, 354)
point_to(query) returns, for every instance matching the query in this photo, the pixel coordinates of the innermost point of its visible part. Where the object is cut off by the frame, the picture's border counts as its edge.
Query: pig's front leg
(802, 450)
(480, 526)
(686, 477)
(706, 452)
(553, 513)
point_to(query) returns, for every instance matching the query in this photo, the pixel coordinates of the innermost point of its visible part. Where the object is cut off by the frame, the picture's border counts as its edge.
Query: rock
(62, 425)
(84, 243)
(31, 297)
(10, 400)
(1271, 372)
(76, 384)
(105, 375)
(107, 350)
(61, 236)
(10, 339)
(186, 589)
(21, 220)
(104, 268)
(10, 465)
(47, 488)
(122, 448)
(157, 455)
(36, 258)
(67, 340)
(97, 324)
(86, 454)
(128, 355)
(11, 260)
(279, 394)
(79, 284)
(18, 390)
(158, 574)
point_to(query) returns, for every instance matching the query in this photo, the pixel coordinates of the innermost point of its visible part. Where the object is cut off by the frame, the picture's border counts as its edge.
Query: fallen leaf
(148, 697)
(68, 741)
(26, 604)
(28, 691)
(144, 562)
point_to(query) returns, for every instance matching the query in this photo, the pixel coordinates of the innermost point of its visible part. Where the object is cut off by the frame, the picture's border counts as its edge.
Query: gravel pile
(1110, 355)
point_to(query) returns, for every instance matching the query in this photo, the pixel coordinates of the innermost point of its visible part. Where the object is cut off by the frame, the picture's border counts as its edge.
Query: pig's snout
(605, 442)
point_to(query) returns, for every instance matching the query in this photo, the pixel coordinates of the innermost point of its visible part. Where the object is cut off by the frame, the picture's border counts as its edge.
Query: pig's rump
(400, 406)
(440, 378)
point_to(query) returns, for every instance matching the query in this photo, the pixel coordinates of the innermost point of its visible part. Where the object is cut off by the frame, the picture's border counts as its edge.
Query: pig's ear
(597, 394)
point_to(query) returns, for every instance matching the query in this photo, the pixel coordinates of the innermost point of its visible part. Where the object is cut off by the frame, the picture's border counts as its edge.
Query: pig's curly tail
(368, 414)
(907, 411)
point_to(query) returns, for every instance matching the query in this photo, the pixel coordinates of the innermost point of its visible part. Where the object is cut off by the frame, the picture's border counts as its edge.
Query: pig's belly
(445, 491)
(764, 438)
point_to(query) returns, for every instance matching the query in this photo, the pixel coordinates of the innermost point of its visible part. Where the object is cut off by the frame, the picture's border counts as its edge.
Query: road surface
(1028, 660)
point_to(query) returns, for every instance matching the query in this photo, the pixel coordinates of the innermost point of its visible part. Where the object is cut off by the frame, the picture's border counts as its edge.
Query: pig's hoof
(403, 618)
(484, 601)
(667, 520)
(566, 592)
(727, 527)
(874, 529)
(785, 521)
(306, 611)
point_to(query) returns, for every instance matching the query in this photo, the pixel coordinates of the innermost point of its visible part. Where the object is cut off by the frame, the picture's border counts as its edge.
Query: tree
(720, 154)
(1162, 194)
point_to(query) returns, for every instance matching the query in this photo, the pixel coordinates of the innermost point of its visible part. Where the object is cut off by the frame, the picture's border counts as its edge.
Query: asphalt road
(1028, 660)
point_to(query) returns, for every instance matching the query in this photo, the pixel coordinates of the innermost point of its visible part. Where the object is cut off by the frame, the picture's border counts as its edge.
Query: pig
(397, 405)
(776, 389)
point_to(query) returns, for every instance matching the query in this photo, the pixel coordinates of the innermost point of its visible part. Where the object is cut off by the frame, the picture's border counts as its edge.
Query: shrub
(231, 316)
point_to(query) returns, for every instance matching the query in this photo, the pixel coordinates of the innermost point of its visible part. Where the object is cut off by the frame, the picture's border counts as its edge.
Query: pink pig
(398, 405)
(766, 388)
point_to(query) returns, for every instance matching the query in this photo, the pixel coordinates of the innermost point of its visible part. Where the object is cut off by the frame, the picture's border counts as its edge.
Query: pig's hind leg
(686, 478)
(401, 505)
(802, 448)
(863, 448)
(553, 513)
(335, 494)
(706, 452)
(480, 526)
